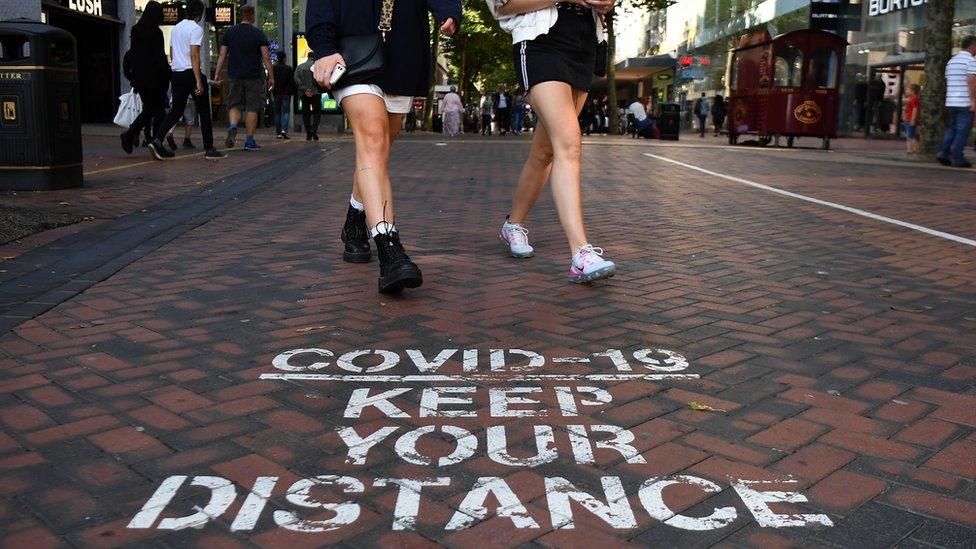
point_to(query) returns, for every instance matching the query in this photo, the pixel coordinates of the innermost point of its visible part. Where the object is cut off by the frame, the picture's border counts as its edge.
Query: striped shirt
(962, 65)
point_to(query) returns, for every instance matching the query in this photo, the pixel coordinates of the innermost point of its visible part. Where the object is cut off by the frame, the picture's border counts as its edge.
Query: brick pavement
(835, 351)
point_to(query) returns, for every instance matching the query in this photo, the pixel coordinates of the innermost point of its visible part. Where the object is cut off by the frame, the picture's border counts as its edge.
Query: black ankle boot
(396, 270)
(355, 237)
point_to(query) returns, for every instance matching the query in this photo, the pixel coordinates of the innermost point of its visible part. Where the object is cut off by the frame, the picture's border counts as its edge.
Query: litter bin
(669, 121)
(40, 126)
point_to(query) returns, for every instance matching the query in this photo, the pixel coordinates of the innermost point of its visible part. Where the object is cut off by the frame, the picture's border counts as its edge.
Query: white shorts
(395, 104)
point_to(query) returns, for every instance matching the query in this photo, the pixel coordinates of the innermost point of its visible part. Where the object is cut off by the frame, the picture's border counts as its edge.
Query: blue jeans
(960, 123)
(517, 120)
(282, 114)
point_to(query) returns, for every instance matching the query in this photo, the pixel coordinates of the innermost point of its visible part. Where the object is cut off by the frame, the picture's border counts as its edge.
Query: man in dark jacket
(284, 79)
(309, 98)
(503, 109)
(719, 110)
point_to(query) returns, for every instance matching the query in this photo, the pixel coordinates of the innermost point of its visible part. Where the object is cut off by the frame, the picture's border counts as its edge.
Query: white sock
(356, 204)
(382, 228)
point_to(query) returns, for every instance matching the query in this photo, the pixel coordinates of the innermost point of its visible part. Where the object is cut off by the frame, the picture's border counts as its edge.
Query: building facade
(885, 54)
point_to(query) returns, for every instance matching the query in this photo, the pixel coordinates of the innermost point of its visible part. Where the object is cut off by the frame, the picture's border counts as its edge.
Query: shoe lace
(391, 244)
(517, 234)
(592, 254)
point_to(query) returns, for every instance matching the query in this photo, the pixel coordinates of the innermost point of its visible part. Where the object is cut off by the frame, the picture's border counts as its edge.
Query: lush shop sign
(882, 7)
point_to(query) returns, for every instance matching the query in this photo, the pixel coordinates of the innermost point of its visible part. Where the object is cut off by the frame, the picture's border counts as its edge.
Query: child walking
(555, 48)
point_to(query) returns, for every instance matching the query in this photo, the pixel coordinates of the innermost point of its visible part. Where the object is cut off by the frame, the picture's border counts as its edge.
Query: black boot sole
(357, 257)
(395, 282)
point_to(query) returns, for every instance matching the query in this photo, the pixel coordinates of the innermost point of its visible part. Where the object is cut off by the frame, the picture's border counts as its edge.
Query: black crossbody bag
(363, 54)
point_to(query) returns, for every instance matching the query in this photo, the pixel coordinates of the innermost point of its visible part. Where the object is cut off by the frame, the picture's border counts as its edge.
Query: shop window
(788, 66)
(823, 69)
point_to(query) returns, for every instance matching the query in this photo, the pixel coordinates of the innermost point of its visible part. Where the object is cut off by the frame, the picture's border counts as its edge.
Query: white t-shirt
(637, 109)
(961, 65)
(502, 103)
(186, 33)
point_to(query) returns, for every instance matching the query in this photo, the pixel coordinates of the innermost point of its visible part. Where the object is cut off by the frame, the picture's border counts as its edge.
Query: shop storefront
(885, 57)
(98, 32)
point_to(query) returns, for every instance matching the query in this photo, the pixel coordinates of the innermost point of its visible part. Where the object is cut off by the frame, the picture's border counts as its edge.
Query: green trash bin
(40, 122)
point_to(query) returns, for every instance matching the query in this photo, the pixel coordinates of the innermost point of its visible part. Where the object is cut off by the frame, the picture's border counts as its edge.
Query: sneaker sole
(605, 272)
(514, 254)
(406, 280)
(155, 154)
(357, 257)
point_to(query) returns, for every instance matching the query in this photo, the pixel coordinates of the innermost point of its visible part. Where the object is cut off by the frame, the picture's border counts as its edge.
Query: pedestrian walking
(960, 104)
(910, 119)
(487, 107)
(189, 120)
(186, 40)
(518, 114)
(503, 109)
(702, 110)
(555, 50)
(244, 48)
(284, 89)
(375, 103)
(586, 116)
(148, 71)
(309, 98)
(719, 111)
(453, 109)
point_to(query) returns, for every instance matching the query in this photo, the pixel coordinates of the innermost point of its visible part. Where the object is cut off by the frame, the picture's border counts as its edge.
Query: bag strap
(386, 18)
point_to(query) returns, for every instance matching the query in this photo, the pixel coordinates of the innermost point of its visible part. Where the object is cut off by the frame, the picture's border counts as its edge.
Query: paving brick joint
(762, 371)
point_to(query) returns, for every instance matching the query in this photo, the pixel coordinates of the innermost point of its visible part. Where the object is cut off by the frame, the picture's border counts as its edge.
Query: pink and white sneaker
(588, 265)
(516, 237)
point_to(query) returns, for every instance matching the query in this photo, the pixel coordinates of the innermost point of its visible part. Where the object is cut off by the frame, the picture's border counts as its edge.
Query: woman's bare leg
(371, 182)
(557, 105)
(395, 121)
(534, 175)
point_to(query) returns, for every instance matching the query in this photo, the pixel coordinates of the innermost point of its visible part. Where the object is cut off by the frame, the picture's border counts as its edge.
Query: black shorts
(567, 53)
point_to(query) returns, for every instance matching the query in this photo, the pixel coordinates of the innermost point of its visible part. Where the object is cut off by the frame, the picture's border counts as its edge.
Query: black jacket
(496, 98)
(407, 52)
(145, 63)
(284, 77)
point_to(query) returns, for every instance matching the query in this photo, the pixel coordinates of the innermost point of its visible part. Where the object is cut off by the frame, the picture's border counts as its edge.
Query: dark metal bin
(670, 121)
(40, 123)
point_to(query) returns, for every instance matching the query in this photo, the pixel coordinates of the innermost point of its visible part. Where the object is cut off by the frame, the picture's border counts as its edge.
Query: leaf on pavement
(703, 407)
(311, 329)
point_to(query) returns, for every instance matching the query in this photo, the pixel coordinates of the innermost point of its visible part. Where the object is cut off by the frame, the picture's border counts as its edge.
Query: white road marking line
(474, 377)
(570, 359)
(855, 211)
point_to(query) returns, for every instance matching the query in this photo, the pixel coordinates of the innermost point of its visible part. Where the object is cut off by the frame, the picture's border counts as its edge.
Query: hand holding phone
(337, 73)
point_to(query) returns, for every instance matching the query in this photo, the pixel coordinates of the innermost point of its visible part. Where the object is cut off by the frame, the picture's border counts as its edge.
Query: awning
(637, 68)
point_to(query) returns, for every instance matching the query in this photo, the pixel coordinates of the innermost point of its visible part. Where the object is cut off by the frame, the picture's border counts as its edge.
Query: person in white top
(960, 104)
(452, 110)
(188, 81)
(555, 58)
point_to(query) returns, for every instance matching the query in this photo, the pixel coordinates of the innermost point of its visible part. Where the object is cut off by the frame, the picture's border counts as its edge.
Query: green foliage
(480, 54)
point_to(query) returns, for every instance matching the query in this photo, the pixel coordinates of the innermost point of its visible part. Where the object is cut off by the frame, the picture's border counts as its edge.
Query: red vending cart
(785, 86)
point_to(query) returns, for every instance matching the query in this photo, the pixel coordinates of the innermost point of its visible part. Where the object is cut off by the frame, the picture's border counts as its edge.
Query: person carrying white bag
(146, 67)
(130, 107)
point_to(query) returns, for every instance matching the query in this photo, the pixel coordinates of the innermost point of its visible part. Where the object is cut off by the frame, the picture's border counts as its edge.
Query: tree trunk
(612, 75)
(938, 49)
(429, 104)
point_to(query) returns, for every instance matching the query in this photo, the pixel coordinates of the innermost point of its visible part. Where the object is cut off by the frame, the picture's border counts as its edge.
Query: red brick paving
(837, 350)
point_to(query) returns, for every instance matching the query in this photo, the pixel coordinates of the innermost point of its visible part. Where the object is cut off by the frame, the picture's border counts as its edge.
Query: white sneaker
(588, 264)
(516, 237)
